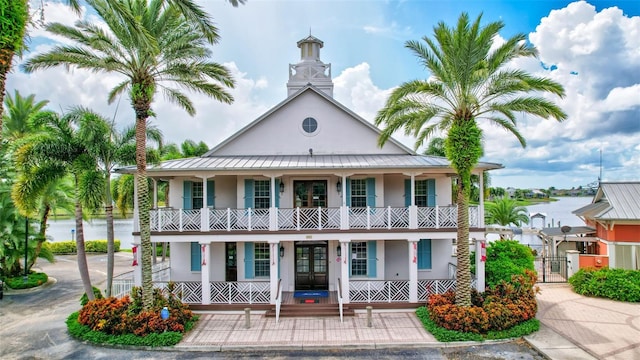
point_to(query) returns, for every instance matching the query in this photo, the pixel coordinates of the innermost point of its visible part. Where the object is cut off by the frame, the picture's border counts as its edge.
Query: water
(60, 230)
(558, 213)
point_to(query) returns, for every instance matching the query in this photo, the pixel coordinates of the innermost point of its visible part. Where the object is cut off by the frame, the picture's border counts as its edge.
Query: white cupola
(310, 69)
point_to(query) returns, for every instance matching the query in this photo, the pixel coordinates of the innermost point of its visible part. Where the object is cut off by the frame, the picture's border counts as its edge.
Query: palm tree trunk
(142, 106)
(6, 56)
(463, 272)
(83, 267)
(42, 234)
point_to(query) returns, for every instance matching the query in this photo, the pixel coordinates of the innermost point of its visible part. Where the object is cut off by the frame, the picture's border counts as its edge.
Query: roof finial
(309, 30)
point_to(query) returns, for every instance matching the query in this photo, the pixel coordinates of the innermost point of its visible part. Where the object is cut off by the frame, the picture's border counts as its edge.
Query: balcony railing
(298, 219)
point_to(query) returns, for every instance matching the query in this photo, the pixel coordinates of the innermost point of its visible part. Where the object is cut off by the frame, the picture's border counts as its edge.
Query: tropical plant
(47, 157)
(152, 44)
(468, 82)
(505, 212)
(13, 25)
(19, 112)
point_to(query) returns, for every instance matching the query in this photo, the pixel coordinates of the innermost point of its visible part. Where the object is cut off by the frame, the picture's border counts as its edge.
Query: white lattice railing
(366, 218)
(379, 291)
(243, 292)
(189, 292)
(123, 283)
(431, 287)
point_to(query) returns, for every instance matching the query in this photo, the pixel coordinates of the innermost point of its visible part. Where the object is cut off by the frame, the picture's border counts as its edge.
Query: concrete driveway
(606, 329)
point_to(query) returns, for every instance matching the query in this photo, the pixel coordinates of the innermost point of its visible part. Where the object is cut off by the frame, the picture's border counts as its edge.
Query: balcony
(305, 219)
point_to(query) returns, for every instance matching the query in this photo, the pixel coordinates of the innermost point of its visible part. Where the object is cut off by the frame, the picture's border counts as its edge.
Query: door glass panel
(302, 262)
(319, 259)
(319, 194)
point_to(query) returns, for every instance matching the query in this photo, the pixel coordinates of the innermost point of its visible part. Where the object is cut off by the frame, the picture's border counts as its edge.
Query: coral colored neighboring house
(615, 214)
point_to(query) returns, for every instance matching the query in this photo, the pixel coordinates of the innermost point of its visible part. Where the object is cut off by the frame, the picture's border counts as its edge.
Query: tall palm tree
(468, 83)
(19, 112)
(47, 157)
(152, 45)
(505, 212)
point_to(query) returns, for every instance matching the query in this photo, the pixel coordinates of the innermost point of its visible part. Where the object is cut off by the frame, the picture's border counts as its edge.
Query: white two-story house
(303, 198)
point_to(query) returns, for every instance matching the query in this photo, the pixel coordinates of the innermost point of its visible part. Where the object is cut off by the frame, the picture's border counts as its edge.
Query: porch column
(481, 203)
(274, 257)
(273, 211)
(344, 213)
(204, 272)
(155, 193)
(481, 258)
(204, 211)
(136, 216)
(413, 209)
(344, 269)
(611, 250)
(413, 270)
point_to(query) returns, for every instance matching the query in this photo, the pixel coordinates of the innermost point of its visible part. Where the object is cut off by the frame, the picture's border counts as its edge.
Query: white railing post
(413, 217)
(181, 212)
(368, 218)
(319, 218)
(344, 218)
(230, 299)
(249, 214)
(273, 218)
(204, 271)
(204, 219)
(228, 219)
(389, 217)
(437, 217)
(159, 219)
(298, 218)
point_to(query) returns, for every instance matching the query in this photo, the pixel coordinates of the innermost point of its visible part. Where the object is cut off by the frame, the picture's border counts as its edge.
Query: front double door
(312, 266)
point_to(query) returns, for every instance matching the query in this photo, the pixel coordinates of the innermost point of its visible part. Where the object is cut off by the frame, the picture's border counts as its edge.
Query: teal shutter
(211, 193)
(187, 201)
(371, 192)
(431, 192)
(424, 254)
(407, 192)
(248, 193)
(248, 260)
(348, 194)
(371, 259)
(277, 194)
(196, 257)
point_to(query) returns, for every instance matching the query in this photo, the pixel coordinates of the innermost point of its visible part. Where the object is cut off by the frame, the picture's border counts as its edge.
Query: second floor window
(262, 198)
(196, 195)
(421, 193)
(359, 193)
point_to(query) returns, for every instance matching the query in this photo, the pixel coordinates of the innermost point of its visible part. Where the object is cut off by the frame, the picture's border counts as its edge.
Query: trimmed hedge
(506, 258)
(92, 246)
(34, 280)
(615, 284)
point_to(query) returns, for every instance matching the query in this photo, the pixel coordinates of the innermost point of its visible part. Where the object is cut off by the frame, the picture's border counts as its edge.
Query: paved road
(32, 327)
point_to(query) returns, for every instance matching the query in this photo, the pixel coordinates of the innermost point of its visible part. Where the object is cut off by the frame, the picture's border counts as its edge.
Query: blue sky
(593, 46)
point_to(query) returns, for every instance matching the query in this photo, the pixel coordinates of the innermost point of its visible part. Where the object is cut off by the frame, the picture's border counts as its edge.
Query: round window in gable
(310, 125)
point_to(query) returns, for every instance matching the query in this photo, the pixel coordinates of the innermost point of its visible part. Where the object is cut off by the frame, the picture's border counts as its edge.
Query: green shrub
(96, 294)
(499, 308)
(92, 246)
(82, 332)
(506, 258)
(126, 316)
(616, 284)
(33, 280)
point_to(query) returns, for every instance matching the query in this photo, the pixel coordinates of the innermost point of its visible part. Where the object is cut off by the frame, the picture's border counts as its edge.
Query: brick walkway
(605, 328)
(227, 331)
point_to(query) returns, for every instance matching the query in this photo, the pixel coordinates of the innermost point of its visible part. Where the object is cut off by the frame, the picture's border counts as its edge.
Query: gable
(281, 132)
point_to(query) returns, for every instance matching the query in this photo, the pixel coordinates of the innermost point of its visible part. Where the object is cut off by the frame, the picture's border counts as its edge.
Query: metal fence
(551, 269)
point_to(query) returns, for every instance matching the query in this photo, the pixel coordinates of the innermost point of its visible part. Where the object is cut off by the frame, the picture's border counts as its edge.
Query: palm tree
(47, 157)
(504, 212)
(468, 82)
(109, 148)
(152, 45)
(17, 121)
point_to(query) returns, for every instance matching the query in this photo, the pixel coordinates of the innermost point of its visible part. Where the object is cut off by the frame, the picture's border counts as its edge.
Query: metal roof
(614, 201)
(303, 162)
(573, 230)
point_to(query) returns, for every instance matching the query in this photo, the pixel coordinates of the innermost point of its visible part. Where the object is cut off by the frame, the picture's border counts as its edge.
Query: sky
(590, 47)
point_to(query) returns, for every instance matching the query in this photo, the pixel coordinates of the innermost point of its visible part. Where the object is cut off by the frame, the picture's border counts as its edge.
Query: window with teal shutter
(431, 192)
(372, 260)
(277, 194)
(248, 260)
(371, 192)
(248, 193)
(186, 194)
(196, 257)
(407, 192)
(424, 254)
(211, 194)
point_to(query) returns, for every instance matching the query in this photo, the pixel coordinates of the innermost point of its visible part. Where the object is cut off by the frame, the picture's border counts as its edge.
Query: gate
(551, 269)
